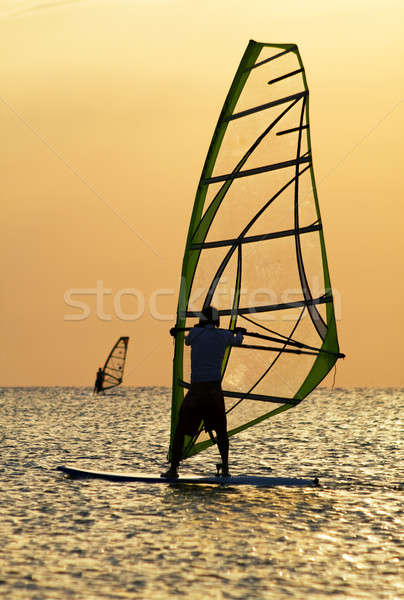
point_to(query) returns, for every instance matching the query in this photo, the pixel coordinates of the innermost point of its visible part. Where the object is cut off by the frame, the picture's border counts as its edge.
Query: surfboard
(149, 478)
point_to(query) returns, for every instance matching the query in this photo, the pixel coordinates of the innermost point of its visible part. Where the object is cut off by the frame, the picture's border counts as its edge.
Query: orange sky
(107, 111)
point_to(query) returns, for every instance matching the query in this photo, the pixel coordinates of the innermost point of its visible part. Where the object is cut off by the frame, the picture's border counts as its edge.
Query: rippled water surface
(62, 538)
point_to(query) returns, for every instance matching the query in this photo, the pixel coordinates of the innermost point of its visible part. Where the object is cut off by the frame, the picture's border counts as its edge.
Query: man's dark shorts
(204, 401)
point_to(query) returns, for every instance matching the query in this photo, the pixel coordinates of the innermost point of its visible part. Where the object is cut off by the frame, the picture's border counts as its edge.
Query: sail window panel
(322, 310)
(209, 263)
(246, 197)
(305, 330)
(292, 323)
(312, 262)
(278, 216)
(286, 375)
(259, 131)
(268, 372)
(282, 323)
(246, 411)
(270, 274)
(307, 207)
(314, 277)
(257, 91)
(282, 380)
(264, 373)
(277, 324)
(244, 368)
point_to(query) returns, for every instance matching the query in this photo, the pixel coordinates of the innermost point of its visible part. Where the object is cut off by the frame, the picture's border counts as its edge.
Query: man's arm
(174, 331)
(236, 336)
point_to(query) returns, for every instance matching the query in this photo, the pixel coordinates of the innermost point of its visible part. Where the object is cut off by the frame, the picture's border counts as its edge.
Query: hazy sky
(107, 111)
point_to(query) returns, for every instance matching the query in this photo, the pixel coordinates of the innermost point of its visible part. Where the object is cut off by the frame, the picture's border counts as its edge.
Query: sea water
(93, 539)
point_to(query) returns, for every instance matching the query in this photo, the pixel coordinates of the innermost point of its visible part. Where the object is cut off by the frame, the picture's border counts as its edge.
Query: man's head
(209, 316)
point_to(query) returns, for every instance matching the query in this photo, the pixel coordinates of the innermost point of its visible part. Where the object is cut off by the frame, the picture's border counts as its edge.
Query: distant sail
(112, 373)
(255, 247)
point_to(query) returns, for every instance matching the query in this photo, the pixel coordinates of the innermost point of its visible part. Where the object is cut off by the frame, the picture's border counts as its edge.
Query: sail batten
(257, 238)
(292, 130)
(247, 396)
(264, 169)
(250, 111)
(281, 77)
(255, 247)
(267, 307)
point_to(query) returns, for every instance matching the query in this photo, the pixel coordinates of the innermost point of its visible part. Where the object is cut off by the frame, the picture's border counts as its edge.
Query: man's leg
(176, 451)
(178, 443)
(221, 431)
(182, 428)
(223, 445)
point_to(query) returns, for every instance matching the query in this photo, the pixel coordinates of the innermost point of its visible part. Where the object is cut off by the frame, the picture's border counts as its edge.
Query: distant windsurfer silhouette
(204, 400)
(99, 381)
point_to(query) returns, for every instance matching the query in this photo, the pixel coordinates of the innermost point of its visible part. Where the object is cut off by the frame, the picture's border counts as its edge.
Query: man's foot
(222, 471)
(172, 473)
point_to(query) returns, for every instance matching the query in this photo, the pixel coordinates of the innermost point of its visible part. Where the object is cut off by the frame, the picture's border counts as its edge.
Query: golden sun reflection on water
(95, 539)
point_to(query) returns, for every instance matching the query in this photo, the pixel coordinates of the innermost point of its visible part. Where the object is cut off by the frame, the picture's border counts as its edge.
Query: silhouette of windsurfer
(99, 381)
(204, 400)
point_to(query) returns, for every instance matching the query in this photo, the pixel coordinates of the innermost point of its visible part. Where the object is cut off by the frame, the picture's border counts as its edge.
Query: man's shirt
(208, 345)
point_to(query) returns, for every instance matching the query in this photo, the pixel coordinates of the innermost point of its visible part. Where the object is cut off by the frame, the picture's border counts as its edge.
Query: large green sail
(255, 247)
